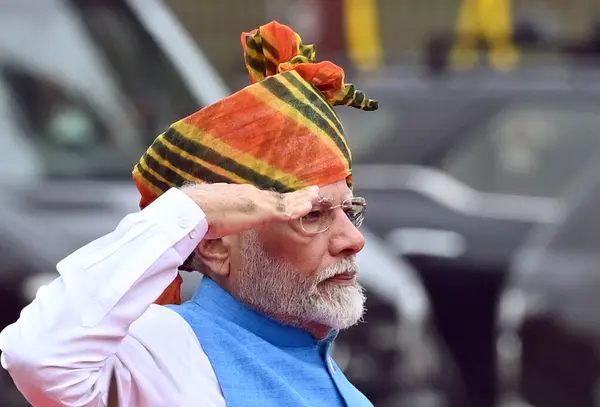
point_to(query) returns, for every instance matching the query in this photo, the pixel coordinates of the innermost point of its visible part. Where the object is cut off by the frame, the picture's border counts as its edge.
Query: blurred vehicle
(79, 103)
(457, 172)
(548, 326)
(84, 88)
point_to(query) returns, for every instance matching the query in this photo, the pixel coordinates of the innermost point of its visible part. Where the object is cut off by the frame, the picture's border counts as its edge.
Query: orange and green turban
(280, 133)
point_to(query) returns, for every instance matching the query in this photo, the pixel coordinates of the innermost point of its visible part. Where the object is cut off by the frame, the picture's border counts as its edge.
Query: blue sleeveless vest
(261, 362)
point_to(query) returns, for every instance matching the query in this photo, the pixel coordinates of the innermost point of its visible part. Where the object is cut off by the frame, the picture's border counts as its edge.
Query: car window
(532, 149)
(68, 136)
(97, 93)
(143, 71)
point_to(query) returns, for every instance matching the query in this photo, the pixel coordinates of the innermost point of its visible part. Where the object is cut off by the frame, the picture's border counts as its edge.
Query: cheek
(235, 261)
(305, 254)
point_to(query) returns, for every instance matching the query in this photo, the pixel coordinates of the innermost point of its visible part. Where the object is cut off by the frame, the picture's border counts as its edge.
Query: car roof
(420, 120)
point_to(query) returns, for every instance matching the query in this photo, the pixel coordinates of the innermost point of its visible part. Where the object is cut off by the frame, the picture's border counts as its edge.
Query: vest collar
(216, 300)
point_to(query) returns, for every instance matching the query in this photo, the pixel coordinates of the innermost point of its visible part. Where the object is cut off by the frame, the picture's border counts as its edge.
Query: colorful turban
(279, 133)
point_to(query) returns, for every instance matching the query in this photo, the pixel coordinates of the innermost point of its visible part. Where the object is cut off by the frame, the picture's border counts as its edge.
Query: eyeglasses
(320, 220)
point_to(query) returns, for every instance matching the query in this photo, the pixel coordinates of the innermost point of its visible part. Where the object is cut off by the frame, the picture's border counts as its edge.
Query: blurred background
(481, 170)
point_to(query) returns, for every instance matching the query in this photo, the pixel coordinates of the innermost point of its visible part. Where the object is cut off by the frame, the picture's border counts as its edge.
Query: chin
(341, 322)
(341, 307)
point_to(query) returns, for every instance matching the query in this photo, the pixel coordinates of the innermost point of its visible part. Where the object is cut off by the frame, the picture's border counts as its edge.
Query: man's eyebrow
(324, 202)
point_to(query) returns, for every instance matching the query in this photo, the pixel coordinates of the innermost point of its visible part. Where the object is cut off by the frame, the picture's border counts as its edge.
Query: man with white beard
(331, 297)
(255, 192)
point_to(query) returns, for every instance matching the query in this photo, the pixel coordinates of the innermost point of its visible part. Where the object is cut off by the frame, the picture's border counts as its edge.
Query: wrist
(198, 195)
(191, 191)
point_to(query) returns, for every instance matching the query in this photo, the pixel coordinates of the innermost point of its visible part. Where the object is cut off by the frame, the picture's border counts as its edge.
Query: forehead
(334, 194)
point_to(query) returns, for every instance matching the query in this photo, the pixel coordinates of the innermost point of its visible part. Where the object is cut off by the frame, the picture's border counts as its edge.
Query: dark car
(80, 99)
(548, 324)
(75, 120)
(457, 172)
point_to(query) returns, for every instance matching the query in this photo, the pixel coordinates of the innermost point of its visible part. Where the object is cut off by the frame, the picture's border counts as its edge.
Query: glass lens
(319, 220)
(355, 210)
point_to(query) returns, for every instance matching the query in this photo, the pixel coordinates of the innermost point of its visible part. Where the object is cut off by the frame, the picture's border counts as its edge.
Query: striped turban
(279, 133)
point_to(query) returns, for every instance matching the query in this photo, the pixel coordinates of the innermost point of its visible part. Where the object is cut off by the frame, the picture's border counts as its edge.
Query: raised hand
(235, 208)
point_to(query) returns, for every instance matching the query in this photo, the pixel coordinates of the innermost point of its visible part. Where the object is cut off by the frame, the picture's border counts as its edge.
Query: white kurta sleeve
(59, 350)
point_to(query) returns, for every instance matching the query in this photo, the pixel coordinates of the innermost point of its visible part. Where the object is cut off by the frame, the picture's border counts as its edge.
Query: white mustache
(346, 265)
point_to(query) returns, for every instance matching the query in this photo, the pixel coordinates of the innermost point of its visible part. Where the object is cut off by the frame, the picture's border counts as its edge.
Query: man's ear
(215, 254)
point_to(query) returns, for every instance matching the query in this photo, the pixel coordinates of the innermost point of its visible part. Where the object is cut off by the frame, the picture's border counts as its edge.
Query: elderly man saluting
(255, 192)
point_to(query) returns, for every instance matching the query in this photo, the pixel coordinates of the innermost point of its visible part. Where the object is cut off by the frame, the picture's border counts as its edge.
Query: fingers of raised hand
(294, 205)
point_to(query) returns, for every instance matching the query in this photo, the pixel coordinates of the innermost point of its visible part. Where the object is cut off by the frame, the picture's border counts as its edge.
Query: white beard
(275, 288)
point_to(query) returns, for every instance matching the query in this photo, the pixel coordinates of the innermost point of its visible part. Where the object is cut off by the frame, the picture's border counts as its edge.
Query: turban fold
(279, 133)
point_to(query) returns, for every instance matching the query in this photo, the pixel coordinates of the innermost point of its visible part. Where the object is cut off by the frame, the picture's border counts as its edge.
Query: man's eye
(312, 216)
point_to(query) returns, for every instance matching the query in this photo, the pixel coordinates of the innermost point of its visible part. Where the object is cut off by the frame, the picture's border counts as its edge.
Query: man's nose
(346, 239)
